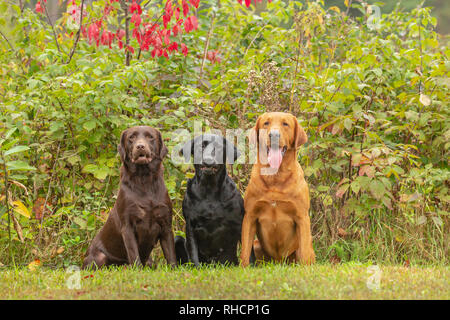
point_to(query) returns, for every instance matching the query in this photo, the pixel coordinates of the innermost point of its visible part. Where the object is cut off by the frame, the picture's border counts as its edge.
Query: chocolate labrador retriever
(142, 214)
(212, 207)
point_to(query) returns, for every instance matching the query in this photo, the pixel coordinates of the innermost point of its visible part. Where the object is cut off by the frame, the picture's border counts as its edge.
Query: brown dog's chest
(147, 211)
(275, 226)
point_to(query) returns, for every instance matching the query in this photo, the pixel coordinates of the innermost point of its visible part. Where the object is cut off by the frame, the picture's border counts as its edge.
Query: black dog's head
(141, 146)
(210, 153)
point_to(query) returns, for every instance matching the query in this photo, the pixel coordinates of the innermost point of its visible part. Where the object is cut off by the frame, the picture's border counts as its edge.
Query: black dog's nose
(140, 146)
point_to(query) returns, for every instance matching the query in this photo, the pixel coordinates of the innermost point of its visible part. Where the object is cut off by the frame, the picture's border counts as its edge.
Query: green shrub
(374, 102)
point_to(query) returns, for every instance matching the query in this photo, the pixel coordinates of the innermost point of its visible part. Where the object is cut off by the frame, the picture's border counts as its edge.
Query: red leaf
(184, 49)
(191, 24)
(120, 34)
(213, 56)
(136, 19)
(195, 3)
(175, 30)
(173, 47)
(185, 8)
(368, 170)
(39, 8)
(135, 7)
(93, 32)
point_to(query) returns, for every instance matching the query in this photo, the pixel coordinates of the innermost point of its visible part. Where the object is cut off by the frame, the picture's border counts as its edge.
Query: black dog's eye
(285, 124)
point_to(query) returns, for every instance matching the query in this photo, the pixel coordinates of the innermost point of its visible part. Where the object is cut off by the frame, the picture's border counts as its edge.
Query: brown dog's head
(276, 133)
(140, 146)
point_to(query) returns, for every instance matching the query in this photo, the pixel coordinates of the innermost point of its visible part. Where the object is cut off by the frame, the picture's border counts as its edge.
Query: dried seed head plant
(267, 84)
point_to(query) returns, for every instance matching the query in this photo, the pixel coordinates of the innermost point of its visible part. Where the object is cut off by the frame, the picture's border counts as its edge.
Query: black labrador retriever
(212, 207)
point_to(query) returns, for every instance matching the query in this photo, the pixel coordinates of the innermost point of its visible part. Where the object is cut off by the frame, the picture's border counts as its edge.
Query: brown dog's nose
(140, 146)
(275, 134)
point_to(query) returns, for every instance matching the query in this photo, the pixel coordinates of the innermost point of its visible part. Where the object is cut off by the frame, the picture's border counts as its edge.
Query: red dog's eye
(285, 124)
(266, 123)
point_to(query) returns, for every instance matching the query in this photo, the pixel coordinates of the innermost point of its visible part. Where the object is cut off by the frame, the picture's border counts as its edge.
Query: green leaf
(90, 168)
(80, 222)
(16, 149)
(7, 135)
(19, 165)
(342, 189)
(89, 125)
(101, 173)
(356, 186)
(377, 189)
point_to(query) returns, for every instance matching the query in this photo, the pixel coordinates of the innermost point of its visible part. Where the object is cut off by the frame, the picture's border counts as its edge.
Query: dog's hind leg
(260, 255)
(180, 250)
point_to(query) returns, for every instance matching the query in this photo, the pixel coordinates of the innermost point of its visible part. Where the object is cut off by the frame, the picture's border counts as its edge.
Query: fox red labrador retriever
(277, 197)
(142, 214)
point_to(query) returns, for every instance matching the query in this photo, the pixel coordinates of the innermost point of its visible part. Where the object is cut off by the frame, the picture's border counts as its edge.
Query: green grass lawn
(345, 281)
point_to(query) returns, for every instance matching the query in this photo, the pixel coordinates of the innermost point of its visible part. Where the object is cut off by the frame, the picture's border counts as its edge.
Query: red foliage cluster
(39, 8)
(159, 38)
(213, 56)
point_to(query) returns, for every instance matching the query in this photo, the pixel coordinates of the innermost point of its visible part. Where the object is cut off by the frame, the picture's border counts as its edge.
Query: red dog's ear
(300, 135)
(253, 136)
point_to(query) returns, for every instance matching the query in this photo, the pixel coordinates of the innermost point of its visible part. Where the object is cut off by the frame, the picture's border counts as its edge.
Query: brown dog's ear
(253, 136)
(300, 135)
(162, 147)
(121, 146)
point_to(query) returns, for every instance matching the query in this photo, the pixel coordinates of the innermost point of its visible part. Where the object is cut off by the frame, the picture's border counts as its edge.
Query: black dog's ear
(121, 146)
(187, 150)
(162, 147)
(232, 153)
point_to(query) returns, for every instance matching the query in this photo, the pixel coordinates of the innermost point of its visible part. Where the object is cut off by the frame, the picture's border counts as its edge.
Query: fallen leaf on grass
(33, 265)
(58, 251)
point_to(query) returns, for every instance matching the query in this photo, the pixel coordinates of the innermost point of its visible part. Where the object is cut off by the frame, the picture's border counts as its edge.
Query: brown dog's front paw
(150, 264)
(307, 258)
(311, 259)
(244, 262)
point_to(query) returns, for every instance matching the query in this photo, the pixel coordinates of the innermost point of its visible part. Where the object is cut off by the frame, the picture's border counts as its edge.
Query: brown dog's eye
(285, 124)
(266, 123)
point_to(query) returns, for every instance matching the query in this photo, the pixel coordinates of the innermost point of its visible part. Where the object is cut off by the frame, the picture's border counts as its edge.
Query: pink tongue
(275, 157)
